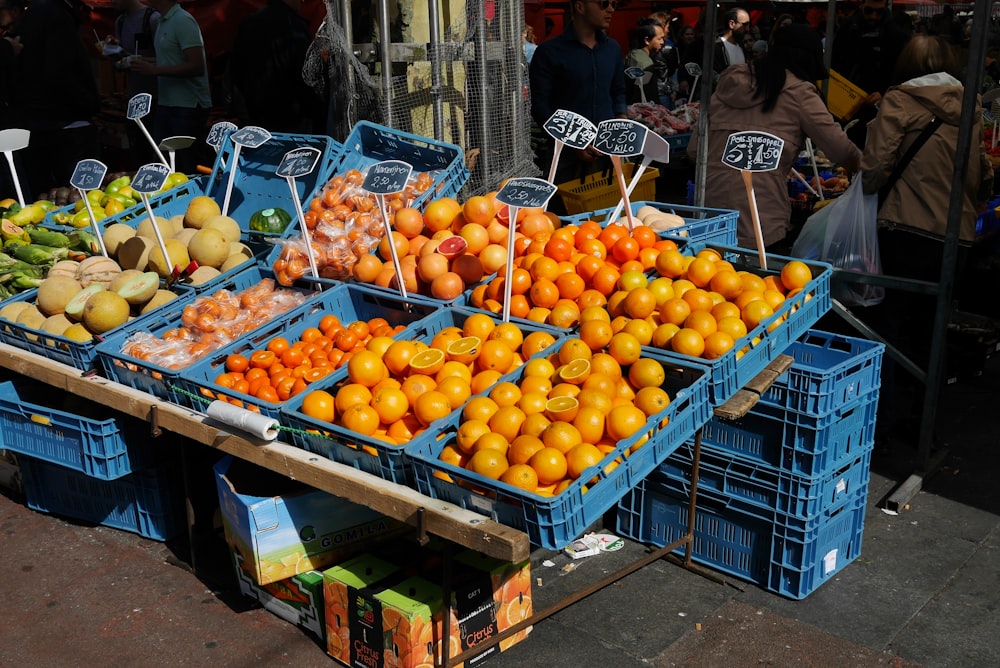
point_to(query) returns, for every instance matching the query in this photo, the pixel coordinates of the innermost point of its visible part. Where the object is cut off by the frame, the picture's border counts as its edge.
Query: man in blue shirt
(581, 70)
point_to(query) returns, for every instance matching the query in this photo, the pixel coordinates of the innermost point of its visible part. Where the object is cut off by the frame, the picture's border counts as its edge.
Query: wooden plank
(402, 503)
(746, 398)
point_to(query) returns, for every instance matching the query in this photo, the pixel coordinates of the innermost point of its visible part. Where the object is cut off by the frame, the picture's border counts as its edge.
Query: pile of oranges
(702, 305)
(282, 369)
(212, 321)
(558, 273)
(343, 226)
(449, 247)
(395, 389)
(567, 414)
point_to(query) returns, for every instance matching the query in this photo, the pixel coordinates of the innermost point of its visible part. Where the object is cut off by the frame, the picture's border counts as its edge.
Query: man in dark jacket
(266, 70)
(56, 93)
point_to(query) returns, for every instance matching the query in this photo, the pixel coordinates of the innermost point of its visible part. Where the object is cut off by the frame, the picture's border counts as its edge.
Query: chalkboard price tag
(387, 177)
(150, 178)
(693, 69)
(526, 193)
(635, 72)
(753, 151)
(620, 137)
(570, 128)
(298, 162)
(88, 174)
(139, 106)
(218, 132)
(251, 136)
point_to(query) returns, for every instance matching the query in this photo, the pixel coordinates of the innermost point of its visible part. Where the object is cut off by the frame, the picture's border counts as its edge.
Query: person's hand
(874, 98)
(589, 154)
(142, 66)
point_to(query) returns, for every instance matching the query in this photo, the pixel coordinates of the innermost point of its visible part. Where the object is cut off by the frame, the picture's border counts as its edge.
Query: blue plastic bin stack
(93, 470)
(782, 492)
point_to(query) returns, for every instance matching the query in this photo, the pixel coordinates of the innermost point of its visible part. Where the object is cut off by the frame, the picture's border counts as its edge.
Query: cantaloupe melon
(200, 209)
(134, 253)
(104, 311)
(230, 228)
(159, 299)
(178, 257)
(30, 318)
(97, 269)
(12, 310)
(234, 261)
(77, 332)
(145, 228)
(115, 235)
(122, 278)
(56, 324)
(203, 275)
(55, 292)
(140, 289)
(64, 268)
(208, 247)
(74, 307)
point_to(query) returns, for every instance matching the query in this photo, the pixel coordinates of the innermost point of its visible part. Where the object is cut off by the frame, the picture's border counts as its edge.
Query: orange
(570, 285)
(510, 334)
(488, 463)
(521, 476)
(536, 384)
(562, 436)
(574, 348)
(544, 293)
(479, 325)
(651, 400)
(320, 405)
(701, 322)
(536, 342)
(624, 348)
(639, 303)
(746, 297)
(564, 390)
(675, 311)
(670, 263)
(596, 333)
(623, 421)
(699, 299)
(417, 384)
(562, 408)
(495, 355)
(599, 382)
(278, 345)
(646, 373)
(605, 280)
(480, 408)
(754, 312)
(483, 381)
(725, 310)
(773, 298)
(580, 458)
(405, 429)
(564, 315)
(237, 363)
(733, 326)
(605, 364)
(465, 349)
(523, 447)
(398, 355)
(292, 357)
(727, 283)
(625, 249)
(752, 281)
(391, 404)
(594, 313)
(576, 372)
(663, 334)
(263, 359)
(427, 362)
(795, 275)
(361, 418)
(538, 367)
(431, 406)
(531, 402)
(549, 464)
(439, 214)
(491, 441)
(507, 422)
(718, 344)
(379, 345)
(505, 394)
(559, 249)
(446, 336)
(535, 424)
(352, 395)
(590, 398)
(589, 422)
(640, 329)
(688, 342)
(366, 368)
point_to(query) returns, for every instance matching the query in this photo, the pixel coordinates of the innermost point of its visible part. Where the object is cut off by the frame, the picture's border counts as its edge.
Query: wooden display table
(427, 515)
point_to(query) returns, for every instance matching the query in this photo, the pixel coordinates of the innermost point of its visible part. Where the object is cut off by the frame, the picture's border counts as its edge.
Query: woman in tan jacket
(775, 94)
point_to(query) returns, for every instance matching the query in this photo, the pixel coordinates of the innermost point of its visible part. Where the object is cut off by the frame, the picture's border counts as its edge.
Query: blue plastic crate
(143, 502)
(554, 522)
(789, 556)
(368, 453)
(679, 141)
(830, 371)
(796, 442)
(987, 221)
(347, 302)
(370, 143)
(101, 448)
(772, 336)
(702, 225)
(765, 486)
(158, 380)
(255, 185)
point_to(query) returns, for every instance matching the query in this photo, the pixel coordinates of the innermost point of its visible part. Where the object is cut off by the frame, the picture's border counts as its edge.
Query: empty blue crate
(830, 371)
(370, 143)
(143, 502)
(788, 556)
(797, 442)
(701, 225)
(102, 447)
(767, 487)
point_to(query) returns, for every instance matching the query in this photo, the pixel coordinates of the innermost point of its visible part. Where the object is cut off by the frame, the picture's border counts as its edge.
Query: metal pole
(510, 37)
(483, 162)
(347, 25)
(977, 55)
(433, 19)
(385, 40)
(708, 74)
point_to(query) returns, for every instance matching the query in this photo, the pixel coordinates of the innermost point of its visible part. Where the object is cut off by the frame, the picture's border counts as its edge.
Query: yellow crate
(843, 98)
(597, 191)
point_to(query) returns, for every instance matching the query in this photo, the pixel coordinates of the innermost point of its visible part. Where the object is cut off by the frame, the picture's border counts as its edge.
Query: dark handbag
(897, 171)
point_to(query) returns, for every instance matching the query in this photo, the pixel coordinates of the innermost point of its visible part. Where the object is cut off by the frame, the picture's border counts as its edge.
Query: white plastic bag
(844, 233)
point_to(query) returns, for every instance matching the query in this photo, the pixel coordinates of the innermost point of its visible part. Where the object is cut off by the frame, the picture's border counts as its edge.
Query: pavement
(925, 590)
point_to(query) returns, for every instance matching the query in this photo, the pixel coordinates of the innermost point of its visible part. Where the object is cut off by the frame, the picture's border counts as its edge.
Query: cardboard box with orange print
(353, 629)
(509, 591)
(413, 637)
(298, 600)
(281, 527)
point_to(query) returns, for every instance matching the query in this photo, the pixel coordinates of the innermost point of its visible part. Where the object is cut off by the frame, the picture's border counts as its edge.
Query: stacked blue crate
(782, 492)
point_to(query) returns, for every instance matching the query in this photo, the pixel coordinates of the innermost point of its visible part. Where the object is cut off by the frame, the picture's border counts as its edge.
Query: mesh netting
(471, 90)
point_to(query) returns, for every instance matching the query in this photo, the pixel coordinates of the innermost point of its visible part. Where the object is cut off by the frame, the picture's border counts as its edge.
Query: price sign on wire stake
(88, 175)
(640, 77)
(752, 152)
(149, 179)
(251, 136)
(520, 193)
(385, 178)
(620, 138)
(14, 139)
(568, 129)
(139, 106)
(216, 134)
(693, 70)
(656, 149)
(300, 162)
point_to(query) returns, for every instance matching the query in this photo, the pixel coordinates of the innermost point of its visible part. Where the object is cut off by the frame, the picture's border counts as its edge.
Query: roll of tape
(258, 425)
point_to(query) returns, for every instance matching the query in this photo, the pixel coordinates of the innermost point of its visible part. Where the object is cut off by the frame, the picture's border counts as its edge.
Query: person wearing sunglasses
(582, 70)
(865, 51)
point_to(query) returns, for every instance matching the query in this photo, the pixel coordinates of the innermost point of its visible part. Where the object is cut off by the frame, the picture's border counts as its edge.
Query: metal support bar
(433, 21)
(892, 282)
(902, 495)
(905, 362)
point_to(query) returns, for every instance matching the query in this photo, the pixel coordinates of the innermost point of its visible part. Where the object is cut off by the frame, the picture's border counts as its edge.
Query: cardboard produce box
(281, 527)
(298, 600)
(353, 629)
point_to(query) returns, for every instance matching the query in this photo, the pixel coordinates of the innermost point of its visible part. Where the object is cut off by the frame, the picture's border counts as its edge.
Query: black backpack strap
(897, 171)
